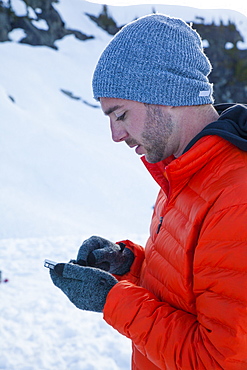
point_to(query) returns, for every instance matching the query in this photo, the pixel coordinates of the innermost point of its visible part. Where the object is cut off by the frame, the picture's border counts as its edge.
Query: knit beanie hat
(155, 59)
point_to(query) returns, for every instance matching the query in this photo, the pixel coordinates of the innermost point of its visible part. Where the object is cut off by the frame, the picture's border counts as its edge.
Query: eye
(121, 117)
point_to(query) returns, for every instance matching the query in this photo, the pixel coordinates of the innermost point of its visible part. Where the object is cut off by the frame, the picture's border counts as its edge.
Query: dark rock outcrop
(229, 73)
(43, 10)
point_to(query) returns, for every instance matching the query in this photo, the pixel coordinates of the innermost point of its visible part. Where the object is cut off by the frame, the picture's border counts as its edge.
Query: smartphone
(50, 264)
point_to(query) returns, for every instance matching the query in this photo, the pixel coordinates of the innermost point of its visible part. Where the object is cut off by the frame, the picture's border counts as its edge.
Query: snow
(40, 328)
(229, 45)
(62, 179)
(41, 24)
(17, 34)
(18, 6)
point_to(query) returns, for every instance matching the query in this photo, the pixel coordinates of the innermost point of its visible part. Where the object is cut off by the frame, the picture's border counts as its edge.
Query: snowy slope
(58, 162)
(40, 328)
(62, 179)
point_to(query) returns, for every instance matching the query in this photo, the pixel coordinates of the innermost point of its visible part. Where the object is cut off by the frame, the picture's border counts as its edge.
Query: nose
(118, 132)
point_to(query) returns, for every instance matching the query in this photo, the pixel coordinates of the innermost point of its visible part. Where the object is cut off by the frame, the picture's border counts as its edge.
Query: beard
(158, 128)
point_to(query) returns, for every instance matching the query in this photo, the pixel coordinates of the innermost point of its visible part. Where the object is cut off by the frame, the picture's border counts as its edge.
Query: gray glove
(105, 255)
(86, 287)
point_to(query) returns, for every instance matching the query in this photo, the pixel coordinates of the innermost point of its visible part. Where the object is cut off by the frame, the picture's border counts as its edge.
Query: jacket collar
(231, 125)
(174, 173)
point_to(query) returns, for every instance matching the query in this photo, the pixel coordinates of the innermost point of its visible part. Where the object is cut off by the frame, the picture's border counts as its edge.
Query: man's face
(146, 127)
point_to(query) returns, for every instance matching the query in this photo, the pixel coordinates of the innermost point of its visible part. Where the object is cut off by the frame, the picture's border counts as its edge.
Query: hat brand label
(204, 93)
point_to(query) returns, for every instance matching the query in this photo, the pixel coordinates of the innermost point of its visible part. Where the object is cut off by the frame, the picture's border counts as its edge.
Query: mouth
(138, 148)
(131, 146)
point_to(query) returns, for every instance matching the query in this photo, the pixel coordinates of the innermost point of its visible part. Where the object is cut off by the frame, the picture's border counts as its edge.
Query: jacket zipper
(167, 201)
(159, 226)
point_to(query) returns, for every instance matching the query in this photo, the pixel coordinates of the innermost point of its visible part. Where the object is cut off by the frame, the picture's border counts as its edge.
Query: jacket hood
(231, 126)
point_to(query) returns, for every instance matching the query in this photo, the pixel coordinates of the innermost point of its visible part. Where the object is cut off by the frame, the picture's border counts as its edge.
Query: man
(183, 299)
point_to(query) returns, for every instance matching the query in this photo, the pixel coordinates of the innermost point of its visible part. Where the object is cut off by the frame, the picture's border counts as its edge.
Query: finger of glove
(122, 264)
(73, 280)
(89, 245)
(113, 259)
(59, 281)
(82, 274)
(74, 290)
(103, 258)
(68, 272)
(73, 271)
(86, 287)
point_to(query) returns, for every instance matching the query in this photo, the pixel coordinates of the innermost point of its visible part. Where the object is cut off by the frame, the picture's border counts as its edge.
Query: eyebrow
(112, 109)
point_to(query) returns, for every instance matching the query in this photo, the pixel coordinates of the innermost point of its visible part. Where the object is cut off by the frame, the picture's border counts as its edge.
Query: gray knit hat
(157, 60)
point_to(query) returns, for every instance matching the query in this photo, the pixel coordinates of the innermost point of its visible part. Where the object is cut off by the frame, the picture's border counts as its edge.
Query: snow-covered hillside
(62, 179)
(60, 172)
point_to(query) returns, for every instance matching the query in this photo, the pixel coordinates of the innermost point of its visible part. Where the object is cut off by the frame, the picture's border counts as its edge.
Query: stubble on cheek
(157, 132)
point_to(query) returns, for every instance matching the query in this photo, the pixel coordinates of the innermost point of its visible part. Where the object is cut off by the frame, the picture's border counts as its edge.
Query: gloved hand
(105, 255)
(86, 287)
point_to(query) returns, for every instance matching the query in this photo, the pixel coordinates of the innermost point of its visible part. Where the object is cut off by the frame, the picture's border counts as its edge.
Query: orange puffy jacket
(184, 302)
